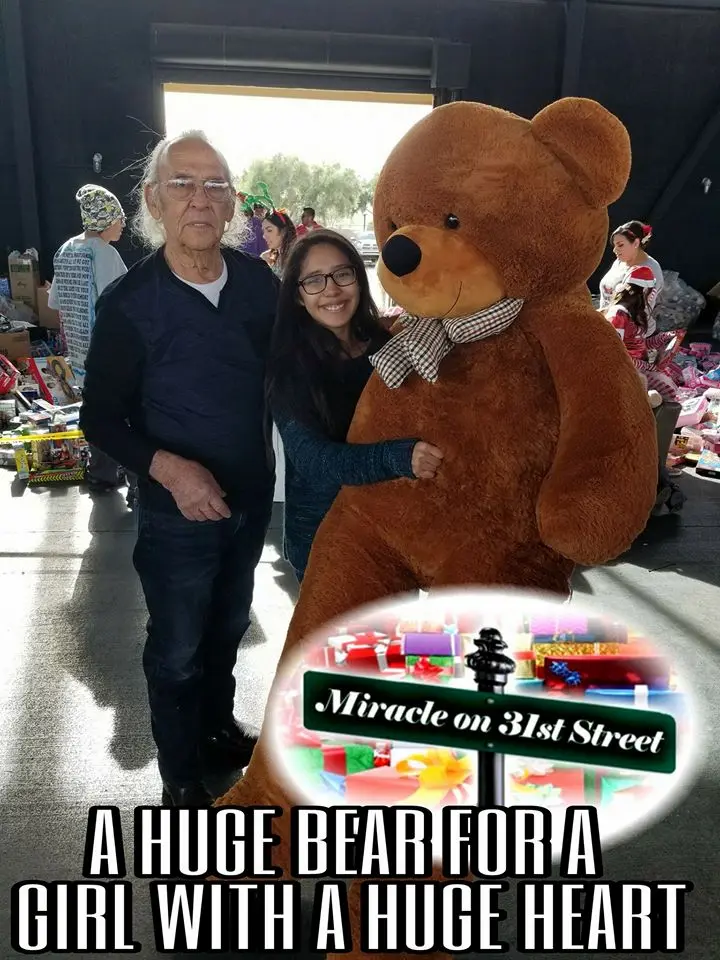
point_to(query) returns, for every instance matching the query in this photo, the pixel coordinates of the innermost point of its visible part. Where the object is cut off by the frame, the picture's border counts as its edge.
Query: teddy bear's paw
(588, 528)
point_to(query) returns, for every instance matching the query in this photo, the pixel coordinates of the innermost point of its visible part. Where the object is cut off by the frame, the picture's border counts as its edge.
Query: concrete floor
(73, 717)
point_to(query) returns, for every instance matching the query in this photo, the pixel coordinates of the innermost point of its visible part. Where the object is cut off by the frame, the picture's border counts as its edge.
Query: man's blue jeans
(198, 581)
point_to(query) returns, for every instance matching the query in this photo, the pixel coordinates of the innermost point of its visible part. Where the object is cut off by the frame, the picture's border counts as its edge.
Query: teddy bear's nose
(401, 255)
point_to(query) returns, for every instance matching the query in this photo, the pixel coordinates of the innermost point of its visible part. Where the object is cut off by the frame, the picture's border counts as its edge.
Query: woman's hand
(425, 460)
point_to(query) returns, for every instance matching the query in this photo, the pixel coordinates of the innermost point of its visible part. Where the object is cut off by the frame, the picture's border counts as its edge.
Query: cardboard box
(50, 319)
(15, 345)
(24, 276)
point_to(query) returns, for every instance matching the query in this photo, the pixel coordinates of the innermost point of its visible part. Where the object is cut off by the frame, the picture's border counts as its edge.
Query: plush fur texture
(549, 440)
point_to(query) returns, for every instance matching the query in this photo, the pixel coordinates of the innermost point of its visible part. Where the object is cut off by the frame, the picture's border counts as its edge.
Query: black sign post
(492, 667)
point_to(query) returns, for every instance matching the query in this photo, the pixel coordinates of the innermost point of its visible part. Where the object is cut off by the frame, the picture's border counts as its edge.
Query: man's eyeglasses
(183, 188)
(343, 277)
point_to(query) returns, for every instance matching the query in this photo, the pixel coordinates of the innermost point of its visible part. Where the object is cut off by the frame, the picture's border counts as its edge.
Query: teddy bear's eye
(452, 222)
(393, 226)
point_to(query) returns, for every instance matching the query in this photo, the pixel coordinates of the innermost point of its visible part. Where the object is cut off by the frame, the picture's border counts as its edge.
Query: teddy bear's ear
(591, 143)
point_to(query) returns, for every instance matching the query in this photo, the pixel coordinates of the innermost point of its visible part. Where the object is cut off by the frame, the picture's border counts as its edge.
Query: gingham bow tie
(425, 342)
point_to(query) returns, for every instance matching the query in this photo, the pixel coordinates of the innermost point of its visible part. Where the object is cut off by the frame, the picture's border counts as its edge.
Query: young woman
(629, 313)
(279, 235)
(629, 242)
(327, 327)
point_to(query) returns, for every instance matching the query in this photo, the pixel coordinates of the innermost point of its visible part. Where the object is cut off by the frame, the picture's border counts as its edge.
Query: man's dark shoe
(185, 795)
(230, 746)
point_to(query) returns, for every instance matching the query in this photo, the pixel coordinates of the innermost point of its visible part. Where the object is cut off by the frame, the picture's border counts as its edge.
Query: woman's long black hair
(634, 230)
(287, 229)
(305, 356)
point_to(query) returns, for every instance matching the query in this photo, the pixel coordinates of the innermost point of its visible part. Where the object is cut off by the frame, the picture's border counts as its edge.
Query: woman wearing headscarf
(83, 267)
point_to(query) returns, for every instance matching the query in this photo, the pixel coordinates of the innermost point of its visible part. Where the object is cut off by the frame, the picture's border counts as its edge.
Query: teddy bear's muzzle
(401, 255)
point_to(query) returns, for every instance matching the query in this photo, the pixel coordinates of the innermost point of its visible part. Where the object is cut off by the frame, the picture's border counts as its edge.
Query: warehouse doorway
(322, 148)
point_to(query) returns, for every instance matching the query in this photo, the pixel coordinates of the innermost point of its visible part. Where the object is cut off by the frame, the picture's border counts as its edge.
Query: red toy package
(616, 671)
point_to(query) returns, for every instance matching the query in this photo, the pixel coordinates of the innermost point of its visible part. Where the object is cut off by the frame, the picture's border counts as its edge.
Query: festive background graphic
(558, 652)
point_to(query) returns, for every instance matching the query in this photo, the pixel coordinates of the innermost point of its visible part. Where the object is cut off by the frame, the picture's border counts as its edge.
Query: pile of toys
(696, 371)
(39, 421)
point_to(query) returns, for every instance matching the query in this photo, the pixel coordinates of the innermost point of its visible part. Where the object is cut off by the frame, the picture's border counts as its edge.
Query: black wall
(10, 231)
(90, 78)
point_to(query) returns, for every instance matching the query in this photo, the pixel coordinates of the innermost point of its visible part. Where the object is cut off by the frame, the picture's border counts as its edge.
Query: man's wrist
(163, 467)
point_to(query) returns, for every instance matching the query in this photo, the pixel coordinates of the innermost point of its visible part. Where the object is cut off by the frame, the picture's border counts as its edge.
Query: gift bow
(424, 342)
(423, 668)
(438, 771)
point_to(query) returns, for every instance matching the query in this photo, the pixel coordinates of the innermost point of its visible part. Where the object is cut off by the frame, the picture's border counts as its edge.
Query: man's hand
(425, 460)
(194, 489)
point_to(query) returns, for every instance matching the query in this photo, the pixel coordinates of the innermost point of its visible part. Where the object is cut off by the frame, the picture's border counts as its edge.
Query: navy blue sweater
(317, 466)
(167, 370)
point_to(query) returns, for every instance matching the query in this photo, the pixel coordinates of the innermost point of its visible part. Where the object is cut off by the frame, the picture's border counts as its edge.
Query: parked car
(367, 245)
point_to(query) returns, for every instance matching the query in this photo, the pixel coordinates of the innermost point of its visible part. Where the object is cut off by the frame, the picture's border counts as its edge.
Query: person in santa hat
(630, 312)
(629, 243)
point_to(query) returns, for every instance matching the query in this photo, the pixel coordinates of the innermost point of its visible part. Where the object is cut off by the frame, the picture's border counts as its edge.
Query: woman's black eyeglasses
(343, 277)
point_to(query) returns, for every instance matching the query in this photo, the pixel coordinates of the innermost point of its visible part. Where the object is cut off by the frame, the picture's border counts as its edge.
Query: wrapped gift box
(307, 761)
(431, 778)
(522, 643)
(311, 759)
(550, 624)
(432, 645)
(385, 624)
(572, 628)
(368, 655)
(367, 637)
(347, 759)
(383, 785)
(543, 650)
(607, 671)
(431, 669)
(525, 664)
(435, 661)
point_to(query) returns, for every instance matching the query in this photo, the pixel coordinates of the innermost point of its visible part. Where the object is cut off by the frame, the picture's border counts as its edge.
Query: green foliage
(336, 193)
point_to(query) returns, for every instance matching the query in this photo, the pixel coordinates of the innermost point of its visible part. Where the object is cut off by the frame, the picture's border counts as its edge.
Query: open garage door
(192, 54)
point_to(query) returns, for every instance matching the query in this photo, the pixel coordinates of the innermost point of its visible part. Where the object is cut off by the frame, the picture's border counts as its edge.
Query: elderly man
(174, 391)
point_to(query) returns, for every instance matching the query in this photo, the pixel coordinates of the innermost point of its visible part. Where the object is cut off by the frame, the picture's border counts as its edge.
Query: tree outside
(337, 193)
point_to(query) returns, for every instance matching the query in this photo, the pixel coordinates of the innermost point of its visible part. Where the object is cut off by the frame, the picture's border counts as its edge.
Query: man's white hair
(151, 231)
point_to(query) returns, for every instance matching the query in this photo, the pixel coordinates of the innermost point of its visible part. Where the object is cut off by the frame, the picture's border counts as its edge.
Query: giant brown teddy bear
(550, 456)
